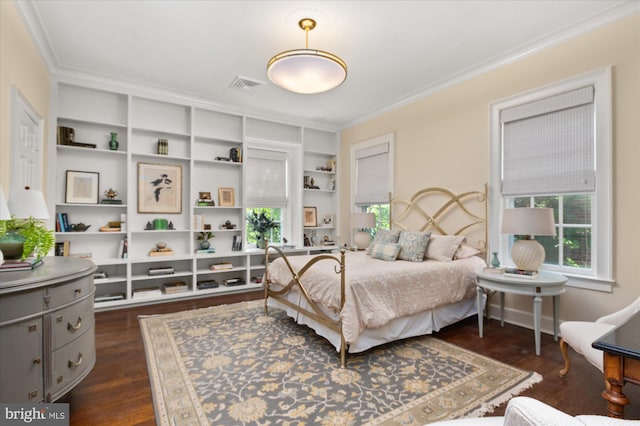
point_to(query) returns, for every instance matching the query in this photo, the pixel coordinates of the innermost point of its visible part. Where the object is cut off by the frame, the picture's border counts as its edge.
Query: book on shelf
(175, 287)
(161, 252)
(165, 270)
(520, 273)
(494, 270)
(141, 293)
(111, 201)
(206, 251)
(21, 265)
(221, 266)
(231, 282)
(207, 284)
(109, 297)
(236, 245)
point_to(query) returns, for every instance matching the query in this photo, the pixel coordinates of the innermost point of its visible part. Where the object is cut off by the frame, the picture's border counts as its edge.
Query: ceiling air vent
(245, 84)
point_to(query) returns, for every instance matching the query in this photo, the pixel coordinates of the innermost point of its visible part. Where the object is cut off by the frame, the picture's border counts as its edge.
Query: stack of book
(205, 202)
(233, 282)
(493, 270)
(109, 297)
(20, 265)
(207, 284)
(520, 273)
(221, 266)
(175, 287)
(162, 270)
(146, 292)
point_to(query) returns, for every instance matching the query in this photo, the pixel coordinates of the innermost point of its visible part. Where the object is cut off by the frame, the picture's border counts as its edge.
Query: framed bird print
(159, 188)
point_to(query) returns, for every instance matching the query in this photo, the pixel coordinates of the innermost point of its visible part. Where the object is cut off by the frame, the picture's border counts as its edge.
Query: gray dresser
(47, 336)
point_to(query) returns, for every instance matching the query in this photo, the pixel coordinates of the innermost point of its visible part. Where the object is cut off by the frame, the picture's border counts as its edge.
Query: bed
(361, 299)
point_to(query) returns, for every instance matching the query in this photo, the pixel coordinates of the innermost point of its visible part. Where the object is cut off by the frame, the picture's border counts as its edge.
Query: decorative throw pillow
(443, 247)
(413, 245)
(384, 236)
(465, 251)
(385, 251)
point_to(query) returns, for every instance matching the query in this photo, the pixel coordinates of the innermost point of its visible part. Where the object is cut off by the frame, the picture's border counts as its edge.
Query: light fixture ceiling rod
(307, 24)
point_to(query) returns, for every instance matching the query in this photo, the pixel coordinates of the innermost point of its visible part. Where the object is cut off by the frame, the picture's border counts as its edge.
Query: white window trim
(292, 213)
(602, 214)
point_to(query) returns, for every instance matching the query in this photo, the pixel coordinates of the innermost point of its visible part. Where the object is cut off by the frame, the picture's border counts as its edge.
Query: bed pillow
(443, 247)
(385, 251)
(413, 245)
(384, 236)
(465, 251)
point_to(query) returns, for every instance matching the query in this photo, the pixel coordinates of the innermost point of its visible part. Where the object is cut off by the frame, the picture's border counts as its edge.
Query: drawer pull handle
(76, 363)
(75, 327)
(33, 394)
(37, 360)
(78, 291)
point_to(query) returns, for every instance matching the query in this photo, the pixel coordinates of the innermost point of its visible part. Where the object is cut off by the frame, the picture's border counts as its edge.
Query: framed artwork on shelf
(159, 188)
(82, 187)
(310, 216)
(226, 197)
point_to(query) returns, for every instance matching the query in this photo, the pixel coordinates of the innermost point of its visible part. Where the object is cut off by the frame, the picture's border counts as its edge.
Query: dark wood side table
(621, 347)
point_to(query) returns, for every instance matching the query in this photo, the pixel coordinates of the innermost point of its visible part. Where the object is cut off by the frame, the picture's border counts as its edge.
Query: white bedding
(378, 292)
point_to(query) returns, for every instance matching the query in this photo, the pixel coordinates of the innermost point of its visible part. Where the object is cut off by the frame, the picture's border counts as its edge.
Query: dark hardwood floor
(117, 391)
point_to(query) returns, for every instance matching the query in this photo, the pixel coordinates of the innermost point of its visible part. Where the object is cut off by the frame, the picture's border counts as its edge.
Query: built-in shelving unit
(200, 141)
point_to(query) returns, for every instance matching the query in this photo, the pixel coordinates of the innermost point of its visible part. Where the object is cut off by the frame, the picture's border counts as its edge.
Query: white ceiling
(396, 51)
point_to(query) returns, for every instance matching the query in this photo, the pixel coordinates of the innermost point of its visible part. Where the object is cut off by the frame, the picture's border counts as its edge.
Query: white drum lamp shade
(26, 203)
(528, 254)
(5, 214)
(362, 221)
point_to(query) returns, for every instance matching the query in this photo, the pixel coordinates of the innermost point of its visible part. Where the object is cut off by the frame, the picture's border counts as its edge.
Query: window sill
(589, 283)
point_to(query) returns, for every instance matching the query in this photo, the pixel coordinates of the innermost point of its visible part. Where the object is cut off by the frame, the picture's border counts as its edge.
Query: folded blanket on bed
(378, 291)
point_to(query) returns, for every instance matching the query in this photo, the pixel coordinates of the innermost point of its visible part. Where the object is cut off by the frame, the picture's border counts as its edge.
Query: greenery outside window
(274, 235)
(381, 212)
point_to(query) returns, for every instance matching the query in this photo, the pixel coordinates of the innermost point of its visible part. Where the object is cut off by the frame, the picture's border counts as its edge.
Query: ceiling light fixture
(306, 70)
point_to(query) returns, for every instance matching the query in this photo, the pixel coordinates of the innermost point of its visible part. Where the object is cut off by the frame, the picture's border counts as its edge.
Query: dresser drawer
(70, 363)
(69, 291)
(21, 304)
(69, 323)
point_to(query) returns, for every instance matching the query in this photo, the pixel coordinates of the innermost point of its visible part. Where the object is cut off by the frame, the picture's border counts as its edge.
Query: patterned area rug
(230, 365)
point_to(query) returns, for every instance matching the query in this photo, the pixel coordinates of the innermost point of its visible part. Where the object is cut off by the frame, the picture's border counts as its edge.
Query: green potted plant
(23, 238)
(204, 238)
(261, 224)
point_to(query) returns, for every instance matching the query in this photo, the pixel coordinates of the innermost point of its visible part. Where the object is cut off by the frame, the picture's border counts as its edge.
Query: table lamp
(5, 214)
(362, 221)
(528, 254)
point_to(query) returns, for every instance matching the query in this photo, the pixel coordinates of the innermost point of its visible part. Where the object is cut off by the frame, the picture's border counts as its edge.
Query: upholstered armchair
(580, 334)
(524, 411)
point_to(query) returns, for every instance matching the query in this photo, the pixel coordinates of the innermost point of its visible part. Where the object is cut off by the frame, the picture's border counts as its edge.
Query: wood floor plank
(117, 391)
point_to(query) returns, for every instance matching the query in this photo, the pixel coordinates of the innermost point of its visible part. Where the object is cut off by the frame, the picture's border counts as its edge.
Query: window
(552, 148)
(372, 180)
(267, 190)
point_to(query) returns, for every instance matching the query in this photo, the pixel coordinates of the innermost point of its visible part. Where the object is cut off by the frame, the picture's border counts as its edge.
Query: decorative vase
(204, 244)
(113, 143)
(12, 245)
(260, 243)
(495, 262)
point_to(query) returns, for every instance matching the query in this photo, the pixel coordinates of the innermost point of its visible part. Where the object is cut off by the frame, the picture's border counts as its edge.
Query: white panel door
(26, 144)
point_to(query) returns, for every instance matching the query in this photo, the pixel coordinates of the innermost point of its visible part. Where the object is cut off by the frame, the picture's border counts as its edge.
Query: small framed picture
(159, 188)
(226, 197)
(82, 187)
(310, 216)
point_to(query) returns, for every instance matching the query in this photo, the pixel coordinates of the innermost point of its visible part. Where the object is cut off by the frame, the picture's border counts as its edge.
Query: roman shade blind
(266, 178)
(372, 175)
(548, 145)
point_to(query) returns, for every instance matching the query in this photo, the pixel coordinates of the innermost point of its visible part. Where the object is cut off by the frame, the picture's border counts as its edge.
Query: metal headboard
(453, 214)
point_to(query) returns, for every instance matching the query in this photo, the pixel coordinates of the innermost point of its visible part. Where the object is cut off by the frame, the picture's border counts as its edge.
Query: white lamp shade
(528, 221)
(361, 220)
(5, 214)
(307, 71)
(26, 203)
